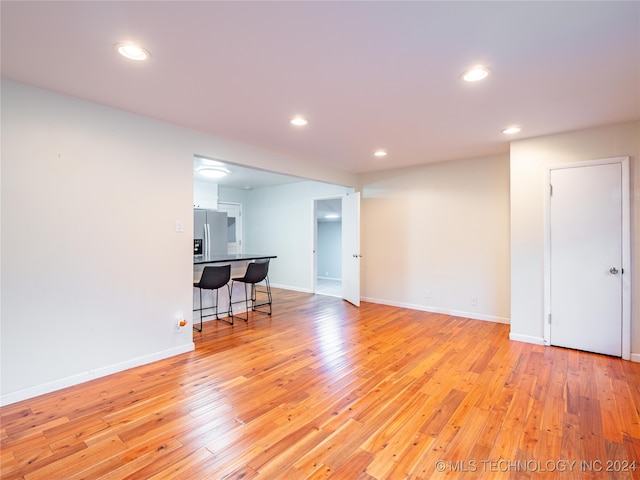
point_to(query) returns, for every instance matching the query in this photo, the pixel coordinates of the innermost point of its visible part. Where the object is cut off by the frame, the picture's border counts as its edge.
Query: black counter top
(236, 257)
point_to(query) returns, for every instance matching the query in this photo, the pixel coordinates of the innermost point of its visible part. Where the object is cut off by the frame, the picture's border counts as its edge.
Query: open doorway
(234, 226)
(328, 246)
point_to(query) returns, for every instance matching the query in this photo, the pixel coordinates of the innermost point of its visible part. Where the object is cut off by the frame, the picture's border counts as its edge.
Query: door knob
(613, 270)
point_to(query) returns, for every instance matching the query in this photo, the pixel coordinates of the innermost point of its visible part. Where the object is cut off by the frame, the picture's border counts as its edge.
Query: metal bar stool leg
(256, 273)
(199, 329)
(214, 278)
(229, 312)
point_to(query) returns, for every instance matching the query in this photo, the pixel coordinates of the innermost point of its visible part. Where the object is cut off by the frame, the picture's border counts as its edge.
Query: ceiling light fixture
(132, 51)
(475, 74)
(380, 153)
(332, 215)
(299, 121)
(511, 130)
(211, 172)
(207, 162)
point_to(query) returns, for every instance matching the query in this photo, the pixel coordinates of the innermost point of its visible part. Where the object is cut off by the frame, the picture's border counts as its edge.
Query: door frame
(347, 296)
(314, 268)
(626, 246)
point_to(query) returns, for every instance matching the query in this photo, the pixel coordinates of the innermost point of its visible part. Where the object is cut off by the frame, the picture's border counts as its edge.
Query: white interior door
(351, 248)
(586, 264)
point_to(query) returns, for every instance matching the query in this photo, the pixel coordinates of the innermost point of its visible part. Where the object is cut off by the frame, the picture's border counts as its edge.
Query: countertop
(236, 257)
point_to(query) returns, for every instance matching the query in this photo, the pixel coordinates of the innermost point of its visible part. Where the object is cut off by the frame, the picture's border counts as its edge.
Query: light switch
(179, 226)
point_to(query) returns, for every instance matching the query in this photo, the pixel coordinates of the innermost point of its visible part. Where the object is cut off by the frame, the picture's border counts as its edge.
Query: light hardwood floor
(325, 390)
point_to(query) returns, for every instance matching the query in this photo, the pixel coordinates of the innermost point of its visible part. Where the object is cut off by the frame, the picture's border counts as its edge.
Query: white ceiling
(368, 75)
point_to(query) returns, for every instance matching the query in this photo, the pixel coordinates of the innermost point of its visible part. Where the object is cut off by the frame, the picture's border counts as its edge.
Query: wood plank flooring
(325, 390)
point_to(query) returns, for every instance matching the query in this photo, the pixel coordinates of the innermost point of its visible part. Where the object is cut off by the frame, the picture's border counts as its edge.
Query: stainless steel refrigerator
(209, 232)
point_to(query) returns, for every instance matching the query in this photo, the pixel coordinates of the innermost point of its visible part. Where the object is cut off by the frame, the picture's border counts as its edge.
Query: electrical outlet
(428, 294)
(474, 301)
(180, 324)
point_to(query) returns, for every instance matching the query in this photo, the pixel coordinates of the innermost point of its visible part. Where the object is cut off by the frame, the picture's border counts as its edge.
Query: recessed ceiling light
(380, 153)
(511, 130)
(211, 172)
(132, 51)
(474, 74)
(299, 121)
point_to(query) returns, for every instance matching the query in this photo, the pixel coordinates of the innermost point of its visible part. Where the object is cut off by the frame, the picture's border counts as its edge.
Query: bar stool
(257, 272)
(214, 278)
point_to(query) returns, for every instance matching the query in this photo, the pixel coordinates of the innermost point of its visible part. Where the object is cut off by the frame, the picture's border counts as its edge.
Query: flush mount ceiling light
(476, 73)
(299, 121)
(131, 51)
(380, 153)
(210, 163)
(212, 172)
(511, 130)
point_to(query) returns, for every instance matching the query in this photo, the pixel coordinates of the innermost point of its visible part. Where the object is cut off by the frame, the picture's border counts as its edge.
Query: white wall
(92, 268)
(529, 160)
(280, 220)
(441, 229)
(94, 275)
(329, 250)
(231, 195)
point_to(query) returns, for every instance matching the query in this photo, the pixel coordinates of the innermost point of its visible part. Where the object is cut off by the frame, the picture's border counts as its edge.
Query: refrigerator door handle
(204, 239)
(207, 240)
(204, 247)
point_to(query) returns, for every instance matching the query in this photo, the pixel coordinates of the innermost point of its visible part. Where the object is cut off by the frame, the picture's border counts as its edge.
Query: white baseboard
(424, 308)
(526, 338)
(635, 357)
(289, 287)
(92, 375)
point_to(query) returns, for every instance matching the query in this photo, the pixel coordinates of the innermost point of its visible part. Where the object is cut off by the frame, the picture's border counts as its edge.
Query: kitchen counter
(238, 263)
(235, 257)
